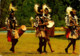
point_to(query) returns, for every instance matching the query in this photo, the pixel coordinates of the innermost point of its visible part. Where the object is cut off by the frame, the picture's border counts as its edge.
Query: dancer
(11, 26)
(46, 15)
(40, 29)
(72, 23)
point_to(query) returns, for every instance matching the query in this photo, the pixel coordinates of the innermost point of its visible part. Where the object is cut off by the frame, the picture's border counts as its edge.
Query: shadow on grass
(6, 52)
(63, 53)
(20, 53)
(31, 53)
(60, 37)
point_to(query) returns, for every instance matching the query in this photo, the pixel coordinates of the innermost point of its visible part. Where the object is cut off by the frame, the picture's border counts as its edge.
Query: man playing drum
(11, 26)
(40, 29)
(48, 32)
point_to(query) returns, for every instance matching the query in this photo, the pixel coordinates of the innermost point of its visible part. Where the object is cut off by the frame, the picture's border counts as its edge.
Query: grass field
(28, 45)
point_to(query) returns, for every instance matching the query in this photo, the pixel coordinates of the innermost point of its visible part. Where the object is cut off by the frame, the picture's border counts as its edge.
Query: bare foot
(66, 50)
(43, 53)
(12, 50)
(74, 53)
(52, 50)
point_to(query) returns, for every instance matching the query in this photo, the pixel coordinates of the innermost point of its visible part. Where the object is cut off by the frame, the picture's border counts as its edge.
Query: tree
(4, 11)
(25, 9)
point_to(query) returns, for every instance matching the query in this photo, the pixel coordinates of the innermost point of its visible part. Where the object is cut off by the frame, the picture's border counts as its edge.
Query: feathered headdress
(11, 7)
(45, 6)
(36, 7)
(68, 10)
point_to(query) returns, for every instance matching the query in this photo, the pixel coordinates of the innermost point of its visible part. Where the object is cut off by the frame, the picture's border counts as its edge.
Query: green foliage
(4, 11)
(25, 9)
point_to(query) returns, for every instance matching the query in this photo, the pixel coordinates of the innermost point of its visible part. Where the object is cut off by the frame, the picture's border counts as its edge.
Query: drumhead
(23, 27)
(50, 24)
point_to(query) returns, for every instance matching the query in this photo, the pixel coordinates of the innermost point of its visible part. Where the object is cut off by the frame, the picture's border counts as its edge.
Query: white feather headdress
(11, 7)
(36, 6)
(68, 10)
(45, 6)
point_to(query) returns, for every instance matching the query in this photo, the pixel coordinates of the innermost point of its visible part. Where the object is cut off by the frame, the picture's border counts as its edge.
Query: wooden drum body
(50, 26)
(21, 30)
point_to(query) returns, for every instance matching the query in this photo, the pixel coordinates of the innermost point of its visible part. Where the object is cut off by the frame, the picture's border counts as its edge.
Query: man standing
(40, 29)
(48, 32)
(11, 23)
(72, 24)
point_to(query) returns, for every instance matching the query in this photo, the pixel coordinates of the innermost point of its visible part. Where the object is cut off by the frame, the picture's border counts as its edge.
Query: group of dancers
(43, 32)
(42, 20)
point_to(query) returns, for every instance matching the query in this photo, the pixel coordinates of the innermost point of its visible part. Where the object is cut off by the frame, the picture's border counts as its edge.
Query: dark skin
(12, 15)
(46, 12)
(41, 43)
(73, 41)
(14, 41)
(73, 14)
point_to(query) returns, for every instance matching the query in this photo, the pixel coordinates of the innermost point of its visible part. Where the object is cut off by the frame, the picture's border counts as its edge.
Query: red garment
(67, 32)
(9, 36)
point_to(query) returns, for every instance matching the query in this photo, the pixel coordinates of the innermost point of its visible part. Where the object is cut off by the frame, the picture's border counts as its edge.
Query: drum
(51, 34)
(50, 31)
(21, 30)
(78, 30)
(50, 24)
(17, 33)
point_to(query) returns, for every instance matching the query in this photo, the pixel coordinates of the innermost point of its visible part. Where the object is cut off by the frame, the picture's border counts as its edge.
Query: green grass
(28, 44)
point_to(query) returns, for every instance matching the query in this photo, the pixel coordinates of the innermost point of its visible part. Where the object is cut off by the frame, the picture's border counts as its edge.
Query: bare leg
(50, 46)
(45, 41)
(69, 46)
(74, 45)
(14, 42)
(40, 45)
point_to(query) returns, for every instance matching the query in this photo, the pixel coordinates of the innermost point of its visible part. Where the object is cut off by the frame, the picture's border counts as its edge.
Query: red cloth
(9, 36)
(67, 32)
